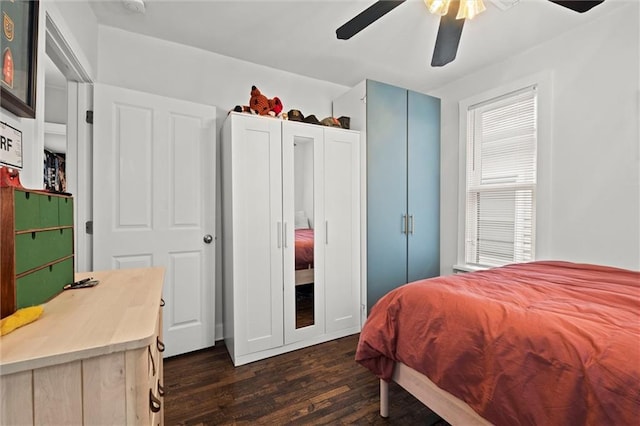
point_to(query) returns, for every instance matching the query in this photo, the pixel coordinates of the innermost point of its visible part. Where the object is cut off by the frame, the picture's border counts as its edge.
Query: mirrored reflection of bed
(548, 343)
(303, 250)
(304, 219)
(304, 277)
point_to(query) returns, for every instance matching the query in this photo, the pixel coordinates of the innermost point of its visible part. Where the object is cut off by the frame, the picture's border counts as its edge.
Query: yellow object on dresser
(19, 318)
(95, 357)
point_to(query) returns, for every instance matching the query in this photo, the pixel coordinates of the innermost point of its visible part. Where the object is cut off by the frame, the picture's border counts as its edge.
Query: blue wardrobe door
(423, 186)
(386, 189)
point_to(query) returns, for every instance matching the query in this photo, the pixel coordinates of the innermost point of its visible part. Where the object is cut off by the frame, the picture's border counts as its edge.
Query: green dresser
(36, 247)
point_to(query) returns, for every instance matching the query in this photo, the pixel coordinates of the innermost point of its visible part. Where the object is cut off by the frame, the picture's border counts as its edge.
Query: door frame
(79, 161)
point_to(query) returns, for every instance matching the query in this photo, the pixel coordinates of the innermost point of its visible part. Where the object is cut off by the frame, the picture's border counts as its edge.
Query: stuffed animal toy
(259, 104)
(276, 106)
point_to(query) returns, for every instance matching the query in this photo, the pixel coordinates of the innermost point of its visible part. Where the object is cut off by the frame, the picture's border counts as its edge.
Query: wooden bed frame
(304, 276)
(453, 410)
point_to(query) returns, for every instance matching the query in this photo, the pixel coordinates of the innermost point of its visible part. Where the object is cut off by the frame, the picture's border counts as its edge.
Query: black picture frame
(20, 39)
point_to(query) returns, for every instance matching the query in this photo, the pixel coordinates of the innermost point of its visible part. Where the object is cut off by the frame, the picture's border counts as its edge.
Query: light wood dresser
(93, 357)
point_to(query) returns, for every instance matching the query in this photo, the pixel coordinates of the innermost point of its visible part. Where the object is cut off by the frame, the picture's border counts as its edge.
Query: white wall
(76, 21)
(592, 204)
(55, 104)
(178, 71)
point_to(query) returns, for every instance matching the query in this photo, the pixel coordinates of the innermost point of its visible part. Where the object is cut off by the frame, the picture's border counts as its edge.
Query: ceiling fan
(453, 15)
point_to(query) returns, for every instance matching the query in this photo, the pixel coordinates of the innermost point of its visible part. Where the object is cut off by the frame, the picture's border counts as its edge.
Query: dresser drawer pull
(160, 389)
(154, 403)
(161, 302)
(160, 344)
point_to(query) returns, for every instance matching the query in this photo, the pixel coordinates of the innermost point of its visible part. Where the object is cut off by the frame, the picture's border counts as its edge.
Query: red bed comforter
(546, 343)
(304, 248)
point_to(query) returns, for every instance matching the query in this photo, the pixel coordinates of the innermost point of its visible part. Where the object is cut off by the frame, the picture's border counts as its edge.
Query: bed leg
(384, 399)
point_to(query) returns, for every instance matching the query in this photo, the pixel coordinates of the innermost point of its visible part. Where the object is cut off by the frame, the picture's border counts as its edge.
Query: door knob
(207, 239)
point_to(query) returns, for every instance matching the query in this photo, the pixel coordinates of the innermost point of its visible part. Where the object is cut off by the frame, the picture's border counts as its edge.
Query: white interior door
(154, 196)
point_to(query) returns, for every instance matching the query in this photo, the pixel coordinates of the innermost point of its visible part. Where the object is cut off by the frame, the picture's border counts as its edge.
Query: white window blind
(501, 179)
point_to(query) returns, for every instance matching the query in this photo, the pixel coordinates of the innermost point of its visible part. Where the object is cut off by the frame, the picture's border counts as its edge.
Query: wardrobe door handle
(326, 232)
(284, 235)
(404, 224)
(411, 224)
(279, 234)
(154, 403)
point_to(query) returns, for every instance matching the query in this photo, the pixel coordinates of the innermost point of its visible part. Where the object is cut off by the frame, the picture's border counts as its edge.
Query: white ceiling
(299, 35)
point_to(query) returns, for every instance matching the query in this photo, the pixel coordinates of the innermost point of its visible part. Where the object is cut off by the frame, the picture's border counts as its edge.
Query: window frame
(542, 230)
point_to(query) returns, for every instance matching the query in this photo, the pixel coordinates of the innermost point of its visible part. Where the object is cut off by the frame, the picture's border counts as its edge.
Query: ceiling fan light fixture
(136, 6)
(470, 8)
(438, 7)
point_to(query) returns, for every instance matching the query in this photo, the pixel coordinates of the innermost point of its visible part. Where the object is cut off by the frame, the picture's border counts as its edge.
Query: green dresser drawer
(36, 235)
(34, 210)
(35, 249)
(42, 285)
(27, 210)
(48, 211)
(65, 211)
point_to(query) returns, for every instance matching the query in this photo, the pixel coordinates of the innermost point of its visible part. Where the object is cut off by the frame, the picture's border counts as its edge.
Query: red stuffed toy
(276, 106)
(259, 104)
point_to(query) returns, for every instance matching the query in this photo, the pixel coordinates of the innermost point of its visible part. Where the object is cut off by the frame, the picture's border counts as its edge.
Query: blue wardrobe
(401, 137)
(403, 187)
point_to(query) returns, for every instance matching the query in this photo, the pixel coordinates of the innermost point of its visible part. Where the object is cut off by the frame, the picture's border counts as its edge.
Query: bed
(304, 256)
(551, 343)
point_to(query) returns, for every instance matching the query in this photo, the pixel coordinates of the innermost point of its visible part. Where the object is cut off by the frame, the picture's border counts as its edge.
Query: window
(501, 179)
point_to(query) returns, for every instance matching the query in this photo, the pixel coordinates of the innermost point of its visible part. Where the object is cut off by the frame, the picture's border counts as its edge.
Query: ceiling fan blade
(367, 17)
(448, 38)
(580, 6)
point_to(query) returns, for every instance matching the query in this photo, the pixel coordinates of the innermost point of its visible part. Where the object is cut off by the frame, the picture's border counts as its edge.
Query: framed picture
(19, 53)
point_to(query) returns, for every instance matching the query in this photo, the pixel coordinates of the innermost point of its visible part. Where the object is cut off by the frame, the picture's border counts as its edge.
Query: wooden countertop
(118, 314)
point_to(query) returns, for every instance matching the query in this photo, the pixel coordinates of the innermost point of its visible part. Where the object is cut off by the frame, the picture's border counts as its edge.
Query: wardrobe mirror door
(304, 231)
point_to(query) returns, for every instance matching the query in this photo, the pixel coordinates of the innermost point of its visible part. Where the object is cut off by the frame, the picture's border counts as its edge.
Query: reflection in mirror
(303, 204)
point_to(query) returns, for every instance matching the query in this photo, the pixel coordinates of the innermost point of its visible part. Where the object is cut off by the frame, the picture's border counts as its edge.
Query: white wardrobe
(291, 235)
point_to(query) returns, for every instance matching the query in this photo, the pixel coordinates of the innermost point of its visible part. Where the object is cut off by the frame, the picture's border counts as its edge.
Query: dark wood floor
(321, 384)
(305, 314)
